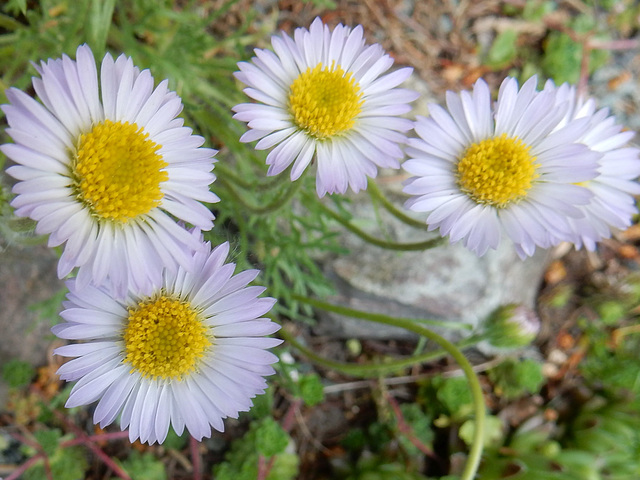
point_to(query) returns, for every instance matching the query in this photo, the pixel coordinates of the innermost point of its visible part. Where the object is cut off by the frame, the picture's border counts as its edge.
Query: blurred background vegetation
(567, 407)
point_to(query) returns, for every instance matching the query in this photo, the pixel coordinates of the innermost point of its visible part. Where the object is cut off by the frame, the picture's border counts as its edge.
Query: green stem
(418, 246)
(372, 370)
(379, 317)
(473, 460)
(272, 206)
(376, 193)
(261, 184)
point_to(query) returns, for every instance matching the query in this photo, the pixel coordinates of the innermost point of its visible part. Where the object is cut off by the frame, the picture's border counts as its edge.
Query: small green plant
(266, 443)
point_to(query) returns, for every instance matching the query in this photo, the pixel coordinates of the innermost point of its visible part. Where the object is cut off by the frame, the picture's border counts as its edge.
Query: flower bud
(512, 326)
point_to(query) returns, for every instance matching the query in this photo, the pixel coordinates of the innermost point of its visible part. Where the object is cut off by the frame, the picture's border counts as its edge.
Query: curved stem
(372, 370)
(473, 461)
(418, 246)
(260, 184)
(379, 317)
(275, 204)
(376, 193)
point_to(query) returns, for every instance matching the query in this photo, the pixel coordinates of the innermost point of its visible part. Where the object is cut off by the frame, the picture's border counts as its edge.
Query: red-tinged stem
(107, 460)
(583, 80)
(195, 458)
(36, 446)
(406, 430)
(22, 468)
(265, 467)
(88, 442)
(101, 437)
(624, 44)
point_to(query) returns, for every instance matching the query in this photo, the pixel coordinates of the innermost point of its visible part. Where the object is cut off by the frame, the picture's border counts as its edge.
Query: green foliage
(311, 389)
(454, 395)
(174, 441)
(49, 440)
(493, 431)
(144, 466)
(537, 9)
(420, 424)
(17, 373)
(271, 439)
(65, 463)
(15, 7)
(264, 436)
(514, 378)
(375, 468)
(503, 50)
(324, 4)
(562, 53)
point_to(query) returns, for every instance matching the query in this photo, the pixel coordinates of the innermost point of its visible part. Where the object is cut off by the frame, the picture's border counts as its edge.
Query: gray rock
(27, 276)
(447, 283)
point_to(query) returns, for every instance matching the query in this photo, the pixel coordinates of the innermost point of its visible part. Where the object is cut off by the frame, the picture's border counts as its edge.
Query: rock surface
(27, 276)
(444, 283)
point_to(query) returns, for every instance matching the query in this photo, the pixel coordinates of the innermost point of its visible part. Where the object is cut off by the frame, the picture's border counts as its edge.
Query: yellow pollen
(117, 171)
(324, 101)
(497, 171)
(165, 338)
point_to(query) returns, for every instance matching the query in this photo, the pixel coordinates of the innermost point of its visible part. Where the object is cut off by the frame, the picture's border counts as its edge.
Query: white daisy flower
(612, 205)
(484, 173)
(104, 165)
(322, 94)
(189, 354)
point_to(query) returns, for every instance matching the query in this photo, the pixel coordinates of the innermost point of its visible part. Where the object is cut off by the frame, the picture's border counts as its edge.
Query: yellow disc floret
(324, 101)
(165, 338)
(118, 172)
(497, 171)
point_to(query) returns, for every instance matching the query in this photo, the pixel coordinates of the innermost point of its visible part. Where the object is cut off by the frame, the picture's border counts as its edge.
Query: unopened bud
(512, 326)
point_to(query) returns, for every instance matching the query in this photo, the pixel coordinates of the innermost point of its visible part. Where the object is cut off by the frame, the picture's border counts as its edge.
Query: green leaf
(454, 393)
(49, 440)
(492, 433)
(271, 439)
(17, 373)
(174, 441)
(144, 466)
(514, 378)
(100, 15)
(16, 6)
(562, 57)
(611, 312)
(503, 49)
(534, 10)
(420, 424)
(311, 389)
(241, 461)
(66, 464)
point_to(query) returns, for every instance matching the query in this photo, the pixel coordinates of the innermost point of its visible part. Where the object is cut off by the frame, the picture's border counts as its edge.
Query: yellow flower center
(325, 101)
(165, 338)
(497, 171)
(118, 172)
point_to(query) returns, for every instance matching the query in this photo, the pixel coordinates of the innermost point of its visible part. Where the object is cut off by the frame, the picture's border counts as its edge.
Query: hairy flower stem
(377, 194)
(372, 370)
(272, 206)
(475, 454)
(418, 246)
